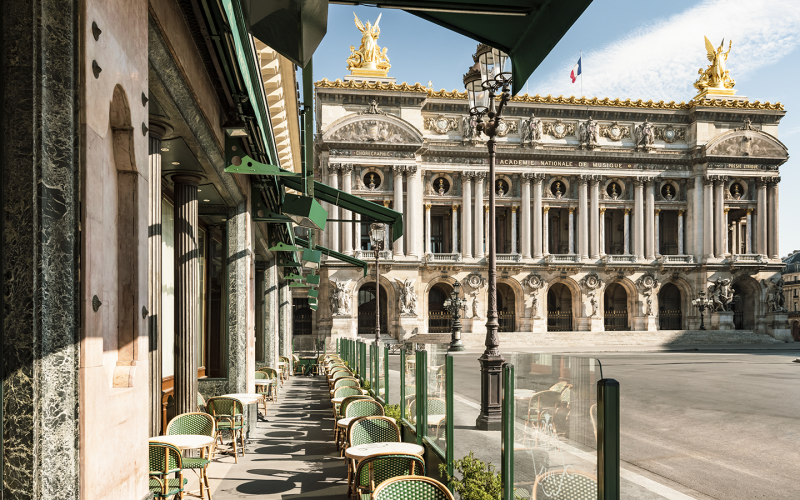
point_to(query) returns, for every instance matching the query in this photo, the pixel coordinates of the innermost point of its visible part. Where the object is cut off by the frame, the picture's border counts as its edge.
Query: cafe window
(216, 335)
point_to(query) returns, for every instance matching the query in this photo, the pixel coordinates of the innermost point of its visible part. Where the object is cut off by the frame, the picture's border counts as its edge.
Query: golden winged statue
(369, 59)
(715, 79)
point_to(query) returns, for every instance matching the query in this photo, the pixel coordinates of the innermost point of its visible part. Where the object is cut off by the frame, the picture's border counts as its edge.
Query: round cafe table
(363, 451)
(245, 399)
(185, 441)
(523, 394)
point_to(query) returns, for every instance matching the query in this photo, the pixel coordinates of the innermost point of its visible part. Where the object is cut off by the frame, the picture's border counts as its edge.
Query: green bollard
(608, 439)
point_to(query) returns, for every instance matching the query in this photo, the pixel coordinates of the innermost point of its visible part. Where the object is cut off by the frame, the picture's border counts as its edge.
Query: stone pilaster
(285, 319)
(708, 219)
(638, 219)
(649, 242)
(271, 313)
(479, 248)
(657, 221)
(526, 216)
(774, 251)
(761, 215)
(594, 210)
(583, 218)
(428, 241)
(680, 232)
(466, 215)
(545, 230)
(398, 206)
(40, 249)
(540, 233)
(154, 281)
(626, 234)
(347, 228)
(571, 231)
(332, 228)
(454, 225)
(514, 230)
(719, 222)
(602, 237)
(748, 240)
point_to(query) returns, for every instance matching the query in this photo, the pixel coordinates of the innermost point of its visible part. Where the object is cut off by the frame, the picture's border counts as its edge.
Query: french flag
(576, 70)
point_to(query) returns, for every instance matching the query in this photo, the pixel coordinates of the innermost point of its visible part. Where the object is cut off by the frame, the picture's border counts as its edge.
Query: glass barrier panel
(555, 435)
(409, 367)
(436, 401)
(380, 394)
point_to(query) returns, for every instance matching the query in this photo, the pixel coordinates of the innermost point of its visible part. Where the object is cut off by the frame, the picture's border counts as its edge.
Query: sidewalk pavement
(727, 348)
(290, 455)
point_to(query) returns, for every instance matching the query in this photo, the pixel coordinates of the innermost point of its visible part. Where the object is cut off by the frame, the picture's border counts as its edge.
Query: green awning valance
(379, 213)
(331, 253)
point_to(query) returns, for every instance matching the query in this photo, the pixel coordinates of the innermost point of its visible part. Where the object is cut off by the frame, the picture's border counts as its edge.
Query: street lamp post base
(491, 417)
(456, 346)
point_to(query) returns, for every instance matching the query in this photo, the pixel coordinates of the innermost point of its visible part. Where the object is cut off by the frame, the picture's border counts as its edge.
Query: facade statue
(475, 304)
(340, 298)
(531, 130)
(470, 126)
(592, 303)
(589, 133)
(535, 306)
(720, 292)
(369, 59)
(648, 283)
(716, 79)
(408, 297)
(644, 135)
(775, 299)
(535, 283)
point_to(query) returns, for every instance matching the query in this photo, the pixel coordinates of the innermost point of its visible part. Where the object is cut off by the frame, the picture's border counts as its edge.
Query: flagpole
(581, 68)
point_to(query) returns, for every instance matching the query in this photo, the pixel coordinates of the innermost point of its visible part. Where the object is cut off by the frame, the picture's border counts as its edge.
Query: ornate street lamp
(377, 232)
(702, 303)
(454, 306)
(482, 83)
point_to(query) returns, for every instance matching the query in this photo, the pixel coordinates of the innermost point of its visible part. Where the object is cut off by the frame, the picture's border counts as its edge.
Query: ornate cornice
(549, 99)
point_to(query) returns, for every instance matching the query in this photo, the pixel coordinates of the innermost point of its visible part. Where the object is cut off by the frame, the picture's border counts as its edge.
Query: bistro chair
(346, 382)
(272, 374)
(365, 430)
(286, 368)
(541, 404)
(298, 367)
(339, 412)
(201, 402)
(565, 484)
(195, 423)
(336, 376)
(412, 487)
(359, 408)
(376, 469)
(593, 416)
(166, 459)
(343, 392)
(436, 406)
(269, 392)
(228, 413)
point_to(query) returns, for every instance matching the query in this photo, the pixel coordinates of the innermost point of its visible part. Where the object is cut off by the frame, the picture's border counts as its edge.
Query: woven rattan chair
(541, 403)
(565, 484)
(367, 430)
(436, 406)
(412, 488)
(359, 408)
(228, 414)
(266, 391)
(201, 402)
(272, 374)
(376, 469)
(346, 382)
(338, 412)
(165, 459)
(195, 423)
(286, 370)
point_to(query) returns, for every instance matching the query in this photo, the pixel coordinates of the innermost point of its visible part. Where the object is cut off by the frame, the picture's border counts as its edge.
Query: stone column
(761, 214)
(414, 180)
(154, 281)
(466, 223)
(697, 216)
(454, 237)
(387, 235)
(583, 218)
(571, 229)
(680, 232)
(271, 313)
(596, 222)
(486, 229)
(332, 228)
(656, 227)
(649, 242)
(357, 231)
(347, 227)
(513, 229)
(626, 233)
(748, 239)
(726, 233)
(539, 234)
(638, 219)
(428, 242)
(284, 319)
(238, 270)
(186, 293)
(602, 230)
(398, 204)
(708, 219)
(526, 217)
(479, 251)
(545, 233)
(774, 251)
(720, 227)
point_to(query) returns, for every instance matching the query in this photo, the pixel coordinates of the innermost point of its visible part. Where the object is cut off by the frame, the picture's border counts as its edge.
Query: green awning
(379, 213)
(526, 29)
(331, 253)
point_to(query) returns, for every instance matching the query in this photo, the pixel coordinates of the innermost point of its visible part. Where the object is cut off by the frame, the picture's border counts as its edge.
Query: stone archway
(438, 317)
(367, 309)
(746, 302)
(559, 308)
(615, 308)
(506, 307)
(670, 311)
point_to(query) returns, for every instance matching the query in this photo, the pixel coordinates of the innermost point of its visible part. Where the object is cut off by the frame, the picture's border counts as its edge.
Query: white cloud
(660, 60)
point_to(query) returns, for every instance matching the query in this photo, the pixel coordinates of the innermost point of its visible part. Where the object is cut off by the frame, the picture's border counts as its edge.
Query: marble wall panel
(237, 299)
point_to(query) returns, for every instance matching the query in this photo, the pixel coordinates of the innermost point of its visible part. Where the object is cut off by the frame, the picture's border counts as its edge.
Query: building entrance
(559, 308)
(669, 308)
(366, 310)
(615, 308)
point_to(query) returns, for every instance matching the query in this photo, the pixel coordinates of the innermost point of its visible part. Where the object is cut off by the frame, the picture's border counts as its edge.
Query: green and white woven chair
(195, 423)
(358, 408)
(201, 402)
(165, 459)
(376, 469)
(338, 412)
(542, 403)
(367, 430)
(228, 413)
(266, 391)
(346, 382)
(412, 488)
(565, 484)
(273, 375)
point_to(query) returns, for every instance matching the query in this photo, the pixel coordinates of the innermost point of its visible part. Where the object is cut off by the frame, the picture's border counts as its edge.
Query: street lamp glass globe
(486, 62)
(377, 233)
(501, 73)
(477, 95)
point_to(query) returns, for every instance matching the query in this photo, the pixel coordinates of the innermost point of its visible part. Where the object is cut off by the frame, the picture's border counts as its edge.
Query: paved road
(723, 425)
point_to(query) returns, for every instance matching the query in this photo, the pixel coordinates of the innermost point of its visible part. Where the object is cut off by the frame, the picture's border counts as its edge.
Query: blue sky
(631, 49)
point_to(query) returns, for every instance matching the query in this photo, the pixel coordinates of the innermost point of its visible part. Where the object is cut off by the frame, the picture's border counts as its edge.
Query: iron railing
(302, 324)
(559, 321)
(616, 321)
(669, 320)
(366, 323)
(507, 323)
(438, 322)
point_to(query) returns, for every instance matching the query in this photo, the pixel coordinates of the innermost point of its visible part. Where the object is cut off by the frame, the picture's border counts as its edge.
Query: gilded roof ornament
(369, 59)
(715, 79)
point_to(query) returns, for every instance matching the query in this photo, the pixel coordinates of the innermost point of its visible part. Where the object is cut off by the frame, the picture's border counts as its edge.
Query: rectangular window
(167, 289)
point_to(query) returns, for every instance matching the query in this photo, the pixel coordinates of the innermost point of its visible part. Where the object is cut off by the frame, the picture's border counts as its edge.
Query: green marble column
(237, 299)
(40, 145)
